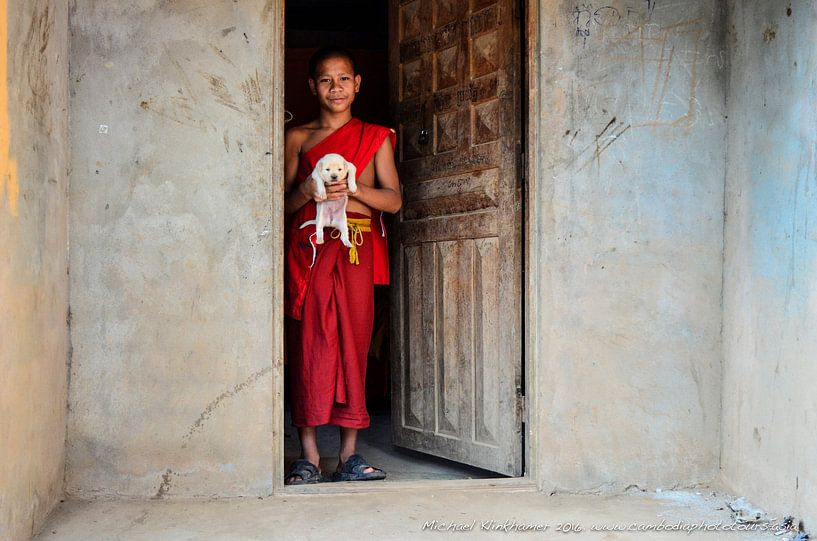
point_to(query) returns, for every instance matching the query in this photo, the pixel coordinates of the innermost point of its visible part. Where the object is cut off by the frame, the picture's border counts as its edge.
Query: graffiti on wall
(644, 58)
(588, 16)
(641, 64)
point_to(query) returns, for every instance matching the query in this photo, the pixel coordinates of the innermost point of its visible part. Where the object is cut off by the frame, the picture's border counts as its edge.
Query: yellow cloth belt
(357, 226)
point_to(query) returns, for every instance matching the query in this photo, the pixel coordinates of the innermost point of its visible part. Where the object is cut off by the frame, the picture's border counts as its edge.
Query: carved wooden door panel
(456, 288)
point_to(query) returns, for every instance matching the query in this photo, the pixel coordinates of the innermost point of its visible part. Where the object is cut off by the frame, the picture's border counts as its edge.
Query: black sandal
(306, 471)
(353, 470)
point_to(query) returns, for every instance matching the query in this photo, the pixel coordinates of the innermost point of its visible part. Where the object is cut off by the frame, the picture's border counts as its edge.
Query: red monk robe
(330, 300)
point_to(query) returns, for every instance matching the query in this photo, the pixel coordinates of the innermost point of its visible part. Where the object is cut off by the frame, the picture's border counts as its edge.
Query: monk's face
(335, 84)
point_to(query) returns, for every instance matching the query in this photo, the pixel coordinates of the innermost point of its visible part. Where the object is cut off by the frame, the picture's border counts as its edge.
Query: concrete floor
(397, 509)
(375, 445)
(396, 514)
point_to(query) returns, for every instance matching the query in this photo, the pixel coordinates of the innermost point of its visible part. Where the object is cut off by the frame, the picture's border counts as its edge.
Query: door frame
(532, 254)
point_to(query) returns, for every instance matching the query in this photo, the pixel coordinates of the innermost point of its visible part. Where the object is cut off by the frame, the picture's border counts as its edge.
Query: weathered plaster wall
(770, 295)
(626, 262)
(171, 258)
(33, 260)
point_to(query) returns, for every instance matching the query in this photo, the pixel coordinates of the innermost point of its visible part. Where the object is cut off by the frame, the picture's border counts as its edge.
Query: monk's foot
(340, 468)
(356, 468)
(303, 472)
(342, 460)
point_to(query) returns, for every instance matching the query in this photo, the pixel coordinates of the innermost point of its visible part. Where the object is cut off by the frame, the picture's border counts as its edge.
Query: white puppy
(331, 169)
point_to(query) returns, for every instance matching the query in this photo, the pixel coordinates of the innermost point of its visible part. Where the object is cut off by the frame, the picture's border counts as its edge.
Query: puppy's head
(333, 168)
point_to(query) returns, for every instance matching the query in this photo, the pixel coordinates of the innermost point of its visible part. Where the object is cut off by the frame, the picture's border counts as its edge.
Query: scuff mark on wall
(164, 485)
(35, 65)
(216, 402)
(219, 90)
(250, 90)
(251, 87)
(770, 33)
(175, 108)
(9, 187)
(603, 140)
(220, 53)
(265, 13)
(181, 107)
(140, 520)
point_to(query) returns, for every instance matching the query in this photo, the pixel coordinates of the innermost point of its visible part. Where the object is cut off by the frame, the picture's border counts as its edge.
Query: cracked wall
(171, 258)
(34, 161)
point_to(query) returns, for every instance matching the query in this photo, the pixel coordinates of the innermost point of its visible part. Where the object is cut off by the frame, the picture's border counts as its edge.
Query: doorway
(448, 329)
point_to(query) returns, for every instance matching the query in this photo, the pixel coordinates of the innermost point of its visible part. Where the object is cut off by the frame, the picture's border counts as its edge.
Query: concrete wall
(33, 260)
(770, 296)
(171, 255)
(627, 241)
(171, 382)
(171, 258)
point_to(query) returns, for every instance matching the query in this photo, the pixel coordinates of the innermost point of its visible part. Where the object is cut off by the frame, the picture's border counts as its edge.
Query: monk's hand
(310, 189)
(337, 190)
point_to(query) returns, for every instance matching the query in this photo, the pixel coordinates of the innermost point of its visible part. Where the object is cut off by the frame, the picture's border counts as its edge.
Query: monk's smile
(336, 83)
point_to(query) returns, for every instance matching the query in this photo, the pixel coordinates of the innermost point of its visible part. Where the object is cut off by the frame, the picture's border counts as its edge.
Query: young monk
(329, 288)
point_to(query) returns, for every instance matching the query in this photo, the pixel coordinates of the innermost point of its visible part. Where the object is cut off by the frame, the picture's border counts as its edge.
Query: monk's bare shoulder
(305, 136)
(296, 136)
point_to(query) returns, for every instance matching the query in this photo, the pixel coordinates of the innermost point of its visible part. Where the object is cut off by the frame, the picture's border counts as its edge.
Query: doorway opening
(456, 93)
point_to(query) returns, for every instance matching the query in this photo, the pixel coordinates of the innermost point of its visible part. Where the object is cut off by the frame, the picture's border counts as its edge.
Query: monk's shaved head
(325, 53)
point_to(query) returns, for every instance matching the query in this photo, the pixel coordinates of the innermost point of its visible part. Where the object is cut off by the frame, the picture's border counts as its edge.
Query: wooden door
(457, 273)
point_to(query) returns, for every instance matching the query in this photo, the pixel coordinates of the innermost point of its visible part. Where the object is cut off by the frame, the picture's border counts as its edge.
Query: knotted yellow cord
(357, 226)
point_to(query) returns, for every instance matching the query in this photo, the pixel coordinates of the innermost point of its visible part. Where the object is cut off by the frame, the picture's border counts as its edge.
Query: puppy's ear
(351, 179)
(316, 174)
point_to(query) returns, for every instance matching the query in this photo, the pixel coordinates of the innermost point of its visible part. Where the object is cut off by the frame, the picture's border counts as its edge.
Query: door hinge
(522, 407)
(521, 162)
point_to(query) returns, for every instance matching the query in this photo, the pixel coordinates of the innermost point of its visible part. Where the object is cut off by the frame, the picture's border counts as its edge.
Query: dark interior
(360, 27)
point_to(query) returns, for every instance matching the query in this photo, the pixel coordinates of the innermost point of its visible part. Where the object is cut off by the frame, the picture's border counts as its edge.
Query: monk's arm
(387, 196)
(296, 194)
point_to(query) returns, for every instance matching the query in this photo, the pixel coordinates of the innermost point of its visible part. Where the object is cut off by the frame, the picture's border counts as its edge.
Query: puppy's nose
(334, 177)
